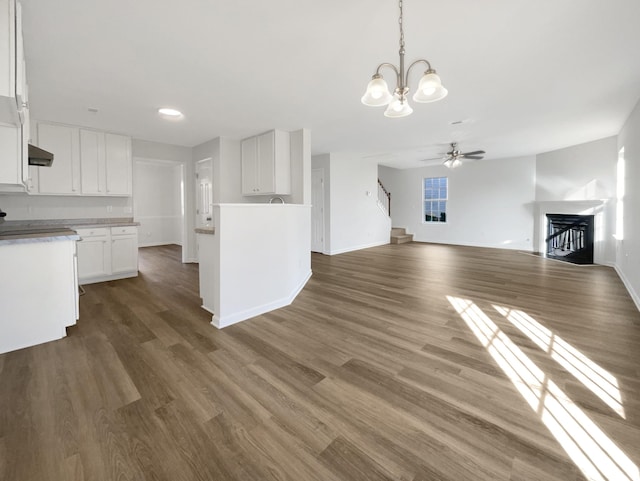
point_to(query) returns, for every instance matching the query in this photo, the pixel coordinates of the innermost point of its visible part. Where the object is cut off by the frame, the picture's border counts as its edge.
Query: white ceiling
(529, 76)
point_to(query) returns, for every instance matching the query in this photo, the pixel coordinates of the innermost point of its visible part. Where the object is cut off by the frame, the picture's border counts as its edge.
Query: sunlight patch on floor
(595, 454)
(598, 380)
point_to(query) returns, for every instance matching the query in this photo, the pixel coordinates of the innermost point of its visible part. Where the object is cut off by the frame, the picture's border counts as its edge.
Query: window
(435, 191)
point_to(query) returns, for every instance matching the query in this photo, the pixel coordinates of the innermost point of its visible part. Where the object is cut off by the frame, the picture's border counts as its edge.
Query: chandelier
(430, 88)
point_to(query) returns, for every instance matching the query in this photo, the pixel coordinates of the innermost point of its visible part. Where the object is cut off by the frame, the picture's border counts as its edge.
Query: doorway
(158, 202)
(204, 193)
(317, 210)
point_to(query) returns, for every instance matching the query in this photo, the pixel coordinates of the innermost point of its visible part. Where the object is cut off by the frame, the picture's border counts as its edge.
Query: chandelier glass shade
(430, 88)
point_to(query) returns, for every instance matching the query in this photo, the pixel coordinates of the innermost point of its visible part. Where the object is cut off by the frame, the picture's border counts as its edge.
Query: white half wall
(490, 203)
(628, 246)
(261, 259)
(157, 202)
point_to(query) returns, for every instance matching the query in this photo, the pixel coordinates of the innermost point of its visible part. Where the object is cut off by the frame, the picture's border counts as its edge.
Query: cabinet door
(118, 164)
(7, 61)
(10, 150)
(92, 162)
(249, 166)
(266, 163)
(124, 254)
(26, 138)
(63, 177)
(20, 66)
(94, 257)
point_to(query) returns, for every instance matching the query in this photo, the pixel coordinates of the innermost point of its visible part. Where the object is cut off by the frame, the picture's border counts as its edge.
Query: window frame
(439, 199)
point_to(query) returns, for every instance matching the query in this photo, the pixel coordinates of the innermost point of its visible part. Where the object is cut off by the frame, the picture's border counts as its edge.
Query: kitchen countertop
(50, 230)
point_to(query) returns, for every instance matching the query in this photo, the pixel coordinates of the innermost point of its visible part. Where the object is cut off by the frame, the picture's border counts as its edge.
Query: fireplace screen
(570, 238)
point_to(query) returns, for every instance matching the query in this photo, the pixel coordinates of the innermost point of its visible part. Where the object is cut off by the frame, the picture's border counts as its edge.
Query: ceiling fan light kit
(453, 159)
(430, 88)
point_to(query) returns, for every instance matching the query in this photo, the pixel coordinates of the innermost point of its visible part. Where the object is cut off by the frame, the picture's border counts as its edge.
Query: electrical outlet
(128, 209)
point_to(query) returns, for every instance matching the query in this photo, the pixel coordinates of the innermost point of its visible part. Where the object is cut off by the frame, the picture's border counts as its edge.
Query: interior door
(317, 210)
(204, 190)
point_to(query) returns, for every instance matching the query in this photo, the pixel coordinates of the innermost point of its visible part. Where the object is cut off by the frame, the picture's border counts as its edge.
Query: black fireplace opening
(570, 238)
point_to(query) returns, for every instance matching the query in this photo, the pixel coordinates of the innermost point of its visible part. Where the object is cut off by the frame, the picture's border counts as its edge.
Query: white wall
(323, 162)
(30, 207)
(143, 149)
(300, 142)
(226, 161)
(356, 221)
(628, 248)
(157, 202)
(490, 203)
(585, 172)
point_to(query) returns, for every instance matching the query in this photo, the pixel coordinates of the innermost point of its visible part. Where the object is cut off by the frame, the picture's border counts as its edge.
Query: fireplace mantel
(572, 206)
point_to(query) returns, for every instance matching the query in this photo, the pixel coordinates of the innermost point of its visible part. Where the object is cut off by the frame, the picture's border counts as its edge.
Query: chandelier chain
(401, 26)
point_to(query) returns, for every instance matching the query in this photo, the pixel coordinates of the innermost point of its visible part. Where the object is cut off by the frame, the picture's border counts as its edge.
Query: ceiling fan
(454, 157)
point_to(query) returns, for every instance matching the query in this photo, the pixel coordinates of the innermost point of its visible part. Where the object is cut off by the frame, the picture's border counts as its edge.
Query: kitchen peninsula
(38, 285)
(43, 261)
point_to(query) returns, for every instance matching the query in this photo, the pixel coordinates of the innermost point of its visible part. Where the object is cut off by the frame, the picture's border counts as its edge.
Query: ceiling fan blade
(475, 152)
(433, 158)
(473, 157)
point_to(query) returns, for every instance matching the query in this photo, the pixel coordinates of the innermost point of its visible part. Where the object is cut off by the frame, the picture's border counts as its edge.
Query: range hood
(39, 157)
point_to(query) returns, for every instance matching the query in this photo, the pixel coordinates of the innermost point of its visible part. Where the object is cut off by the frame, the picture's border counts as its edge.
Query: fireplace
(570, 238)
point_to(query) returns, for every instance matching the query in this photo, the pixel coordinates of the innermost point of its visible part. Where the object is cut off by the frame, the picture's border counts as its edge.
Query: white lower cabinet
(124, 250)
(94, 253)
(107, 253)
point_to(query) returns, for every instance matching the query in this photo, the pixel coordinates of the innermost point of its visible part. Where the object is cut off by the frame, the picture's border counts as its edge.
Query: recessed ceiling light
(171, 113)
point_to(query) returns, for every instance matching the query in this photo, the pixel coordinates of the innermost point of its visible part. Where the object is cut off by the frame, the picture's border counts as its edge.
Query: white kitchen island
(38, 286)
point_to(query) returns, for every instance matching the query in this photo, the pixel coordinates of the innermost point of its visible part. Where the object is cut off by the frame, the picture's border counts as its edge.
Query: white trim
(357, 248)
(634, 295)
(156, 244)
(228, 320)
(112, 277)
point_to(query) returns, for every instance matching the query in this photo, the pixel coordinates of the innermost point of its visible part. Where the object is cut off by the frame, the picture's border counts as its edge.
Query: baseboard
(156, 244)
(113, 277)
(231, 319)
(627, 284)
(357, 248)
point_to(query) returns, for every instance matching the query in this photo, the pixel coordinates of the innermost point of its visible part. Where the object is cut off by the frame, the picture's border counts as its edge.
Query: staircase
(399, 236)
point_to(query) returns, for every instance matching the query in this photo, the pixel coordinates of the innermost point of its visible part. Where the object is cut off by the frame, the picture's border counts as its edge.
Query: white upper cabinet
(14, 110)
(8, 62)
(92, 158)
(249, 165)
(85, 162)
(119, 164)
(266, 164)
(63, 177)
(106, 163)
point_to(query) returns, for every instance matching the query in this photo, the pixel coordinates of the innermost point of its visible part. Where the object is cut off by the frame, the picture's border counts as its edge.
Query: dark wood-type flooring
(371, 374)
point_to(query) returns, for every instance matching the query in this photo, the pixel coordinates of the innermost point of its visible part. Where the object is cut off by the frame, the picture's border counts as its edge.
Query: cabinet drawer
(125, 230)
(93, 232)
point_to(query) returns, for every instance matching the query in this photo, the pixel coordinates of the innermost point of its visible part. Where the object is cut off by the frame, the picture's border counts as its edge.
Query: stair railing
(384, 198)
